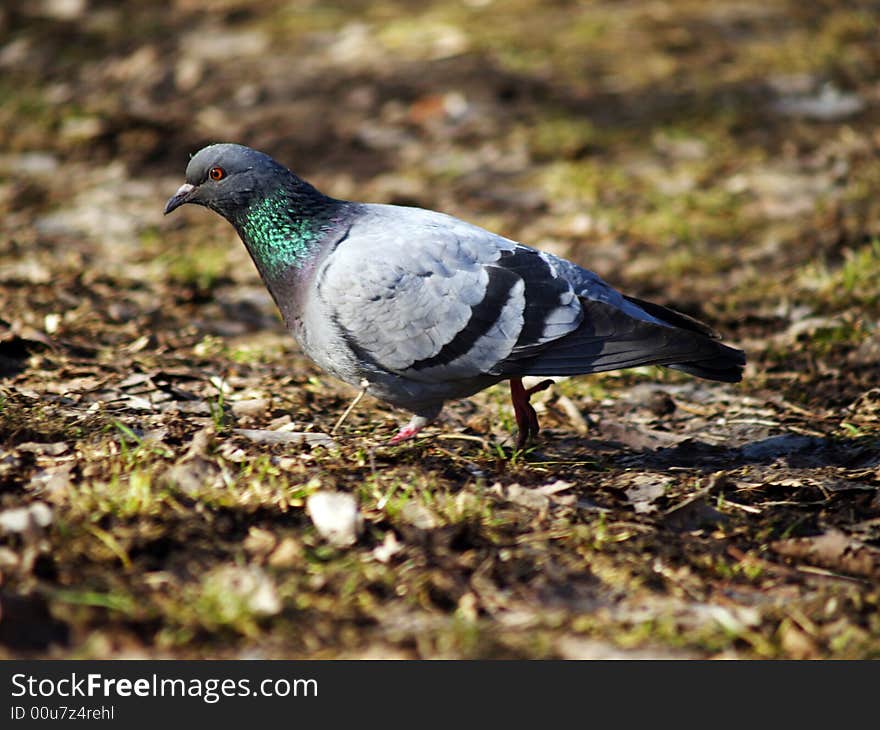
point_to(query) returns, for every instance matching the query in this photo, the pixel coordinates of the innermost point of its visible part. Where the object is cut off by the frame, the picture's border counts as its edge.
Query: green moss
(560, 137)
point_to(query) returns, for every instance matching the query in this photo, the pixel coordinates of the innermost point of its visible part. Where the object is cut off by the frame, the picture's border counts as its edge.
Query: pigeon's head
(228, 178)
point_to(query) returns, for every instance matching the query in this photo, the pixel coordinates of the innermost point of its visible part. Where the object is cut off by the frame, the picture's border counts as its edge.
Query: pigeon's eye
(216, 173)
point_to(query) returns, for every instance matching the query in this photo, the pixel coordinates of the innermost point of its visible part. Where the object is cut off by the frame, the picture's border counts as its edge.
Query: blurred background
(678, 147)
(720, 157)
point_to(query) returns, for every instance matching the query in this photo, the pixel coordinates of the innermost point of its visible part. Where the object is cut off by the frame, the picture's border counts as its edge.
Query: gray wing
(433, 298)
(430, 297)
(618, 332)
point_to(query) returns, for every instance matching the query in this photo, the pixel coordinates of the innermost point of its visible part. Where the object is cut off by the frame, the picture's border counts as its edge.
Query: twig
(823, 573)
(462, 437)
(754, 422)
(744, 507)
(798, 571)
(351, 406)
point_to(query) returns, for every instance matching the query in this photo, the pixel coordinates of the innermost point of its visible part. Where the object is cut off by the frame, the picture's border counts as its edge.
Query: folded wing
(437, 299)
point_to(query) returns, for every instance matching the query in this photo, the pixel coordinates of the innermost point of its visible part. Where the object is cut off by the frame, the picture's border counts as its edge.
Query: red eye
(217, 173)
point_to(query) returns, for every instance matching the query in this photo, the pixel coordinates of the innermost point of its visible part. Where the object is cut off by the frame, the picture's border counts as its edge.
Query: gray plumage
(425, 307)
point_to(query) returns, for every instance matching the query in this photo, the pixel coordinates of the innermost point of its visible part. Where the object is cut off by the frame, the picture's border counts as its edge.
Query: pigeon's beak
(179, 198)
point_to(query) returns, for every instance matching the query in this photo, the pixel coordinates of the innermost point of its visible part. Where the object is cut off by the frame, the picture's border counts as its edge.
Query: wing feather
(432, 298)
(435, 298)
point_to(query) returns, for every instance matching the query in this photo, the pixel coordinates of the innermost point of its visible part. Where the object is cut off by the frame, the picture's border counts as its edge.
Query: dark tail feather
(726, 368)
(609, 339)
(674, 317)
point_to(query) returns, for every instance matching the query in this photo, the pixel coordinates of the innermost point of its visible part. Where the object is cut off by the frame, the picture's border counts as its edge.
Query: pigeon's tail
(611, 339)
(726, 368)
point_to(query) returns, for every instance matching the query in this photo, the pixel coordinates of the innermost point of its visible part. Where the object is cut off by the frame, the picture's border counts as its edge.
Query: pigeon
(418, 307)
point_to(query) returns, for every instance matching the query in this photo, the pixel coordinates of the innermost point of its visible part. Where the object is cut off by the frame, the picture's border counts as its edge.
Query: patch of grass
(23, 419)
(825, 340)
(27, 119)
(229, 598)
(560, 137)
(588, 182)
(124, 495)
(852, 282)
(136, 450)
(200, 265)
(695, 216)
(119, 602)
(218, 411)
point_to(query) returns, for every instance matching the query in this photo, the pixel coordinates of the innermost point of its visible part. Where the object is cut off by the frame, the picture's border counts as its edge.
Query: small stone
(41, 514)
(15, 520)
(661, 403)
(259, 541)
(829, 104)
(188, 73)
(250, 407)
(63, 9)
(336, 517)
(31, 519)
(9, 559)
(51, 322)
(81, 129)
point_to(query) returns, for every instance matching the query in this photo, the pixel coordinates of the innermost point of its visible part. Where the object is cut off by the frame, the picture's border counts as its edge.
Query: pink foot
(407, 432)
(526, 418)
(416, 424)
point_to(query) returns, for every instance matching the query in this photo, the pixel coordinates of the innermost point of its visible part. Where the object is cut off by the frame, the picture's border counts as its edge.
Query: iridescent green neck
(278, 237)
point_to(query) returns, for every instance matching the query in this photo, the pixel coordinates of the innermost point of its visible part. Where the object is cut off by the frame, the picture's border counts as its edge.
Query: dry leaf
(834, 550)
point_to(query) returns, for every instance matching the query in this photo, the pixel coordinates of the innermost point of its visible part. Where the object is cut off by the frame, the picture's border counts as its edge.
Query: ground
(718, 157)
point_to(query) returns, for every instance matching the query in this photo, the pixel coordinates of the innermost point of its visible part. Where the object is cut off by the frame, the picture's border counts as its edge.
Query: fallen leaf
(537, 498)
(418, 515)
(646, 489)
(530, 498)
(388, 549)
(310, 438)
(288, 553)
(834, 550)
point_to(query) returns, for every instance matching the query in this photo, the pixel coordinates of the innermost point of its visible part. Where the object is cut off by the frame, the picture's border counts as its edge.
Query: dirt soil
(718, 157)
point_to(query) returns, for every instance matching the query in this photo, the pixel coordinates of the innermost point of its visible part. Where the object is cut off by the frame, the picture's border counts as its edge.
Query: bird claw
(402, 435)
(543, 385)
(526, 418)
(416, 424)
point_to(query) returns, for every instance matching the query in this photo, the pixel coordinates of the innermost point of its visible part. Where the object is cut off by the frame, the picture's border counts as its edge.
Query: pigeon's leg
(526, 418)
(416, 424)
